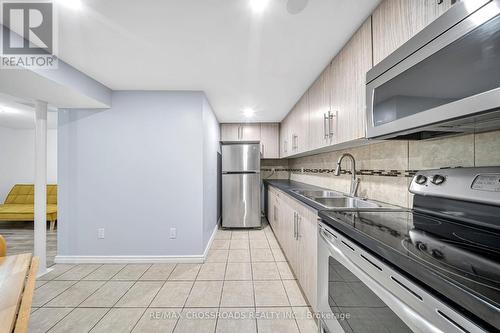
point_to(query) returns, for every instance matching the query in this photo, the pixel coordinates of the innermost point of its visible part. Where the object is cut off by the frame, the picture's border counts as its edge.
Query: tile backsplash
(387, 167)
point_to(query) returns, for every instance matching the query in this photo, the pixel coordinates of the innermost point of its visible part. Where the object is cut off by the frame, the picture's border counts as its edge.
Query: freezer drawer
(240, 157)
(241, 200)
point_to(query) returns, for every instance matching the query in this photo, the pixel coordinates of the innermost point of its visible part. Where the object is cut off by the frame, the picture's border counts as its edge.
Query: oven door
(357, 293)
(449, 84)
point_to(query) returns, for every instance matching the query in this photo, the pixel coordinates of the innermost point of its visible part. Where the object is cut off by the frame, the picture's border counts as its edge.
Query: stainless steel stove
(435, 268)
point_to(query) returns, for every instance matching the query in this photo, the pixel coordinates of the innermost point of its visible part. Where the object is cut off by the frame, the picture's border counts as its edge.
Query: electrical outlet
(173, 233)
(100, 233)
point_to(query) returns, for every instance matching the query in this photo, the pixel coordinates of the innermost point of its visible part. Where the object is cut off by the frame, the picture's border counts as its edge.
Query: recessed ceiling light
(248, 112)
(71, 4)
(258, 6)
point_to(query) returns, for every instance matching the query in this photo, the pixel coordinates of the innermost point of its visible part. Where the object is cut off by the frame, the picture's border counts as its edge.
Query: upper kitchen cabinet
(269, 140)
(240, 132)
(396, 21)
(319, 111)
(348, 85)
(285, 137)
(230, 132)
(299, 126)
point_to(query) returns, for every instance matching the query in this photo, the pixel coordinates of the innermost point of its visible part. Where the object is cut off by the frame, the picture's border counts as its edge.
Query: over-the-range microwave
(444, 80)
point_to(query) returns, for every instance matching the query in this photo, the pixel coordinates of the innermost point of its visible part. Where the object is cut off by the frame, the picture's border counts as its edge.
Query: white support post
(41, 185)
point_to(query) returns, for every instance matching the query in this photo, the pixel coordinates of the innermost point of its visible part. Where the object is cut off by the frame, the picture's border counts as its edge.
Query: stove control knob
(438, 179)
(421, 180)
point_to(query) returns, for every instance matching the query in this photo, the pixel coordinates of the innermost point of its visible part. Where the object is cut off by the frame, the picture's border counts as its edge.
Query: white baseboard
(212, 237)
(188, 259)
(128, 259)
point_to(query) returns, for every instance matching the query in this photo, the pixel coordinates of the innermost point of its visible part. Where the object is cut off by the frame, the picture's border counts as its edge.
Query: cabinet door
(307, 249)
(250, 132)
(270, 208)
(289, 243)
(396, 21)
(269, 140)
(319, 105)
(348, 76)
(301, 123)
(285, 137)
(230, 132)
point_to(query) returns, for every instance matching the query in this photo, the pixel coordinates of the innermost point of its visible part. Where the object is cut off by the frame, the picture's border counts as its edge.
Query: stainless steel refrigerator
(241, 185)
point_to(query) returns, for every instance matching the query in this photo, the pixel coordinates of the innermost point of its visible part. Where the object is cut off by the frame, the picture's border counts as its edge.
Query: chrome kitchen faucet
(354, 181)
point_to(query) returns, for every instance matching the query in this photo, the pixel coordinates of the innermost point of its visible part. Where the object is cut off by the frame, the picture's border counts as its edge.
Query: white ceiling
(239, 58)
(20, 114)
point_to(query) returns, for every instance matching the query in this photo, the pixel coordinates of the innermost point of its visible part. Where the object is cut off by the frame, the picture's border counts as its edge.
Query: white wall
(211, 146)
(17, 158)
(136, 170)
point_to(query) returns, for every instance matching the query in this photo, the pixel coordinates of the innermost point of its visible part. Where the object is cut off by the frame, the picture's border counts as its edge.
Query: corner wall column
(41, 185)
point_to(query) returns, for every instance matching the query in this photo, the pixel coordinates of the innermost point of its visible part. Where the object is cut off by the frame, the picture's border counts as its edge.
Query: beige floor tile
(237, 294)
(55, 271)
(44, 318)
(39, 283)
(118, 321)
(278, 254)
(273, 244)
(79, 320)
(220, 244)
(50, 290)
(223, 234)
(157, 320)
(239, 244)
(185, 272)
(265, 271)
(238, 271)
(262, 255)
(239, 255)
(240, 320)
(294, 294)
(108, 294)
(212, 271)
(196, 321)
(276, 320)
(240, 235)
(140, 294)
(304, 319)
(75, 294)
(131, 272)
(285, 271)
(270, 293)
(158, 272)
(217, 256)
(205, 294)
(78, 272)
(173, 294)
(259, 244)
(105, 272)
(257, 235)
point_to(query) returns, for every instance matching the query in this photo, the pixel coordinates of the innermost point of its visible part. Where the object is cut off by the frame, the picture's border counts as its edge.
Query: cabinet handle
(325, 131)
(294, 225)
(239, 132)
(262, 150)
(331, 116)
(299, 220)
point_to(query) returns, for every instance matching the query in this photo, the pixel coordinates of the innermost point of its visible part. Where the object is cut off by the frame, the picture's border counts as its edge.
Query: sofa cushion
(25, 194)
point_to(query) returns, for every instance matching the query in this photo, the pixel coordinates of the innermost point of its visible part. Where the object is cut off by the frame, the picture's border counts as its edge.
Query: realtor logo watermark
(28, 35)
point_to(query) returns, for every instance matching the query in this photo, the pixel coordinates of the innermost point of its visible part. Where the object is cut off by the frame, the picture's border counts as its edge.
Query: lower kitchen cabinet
(295, 227)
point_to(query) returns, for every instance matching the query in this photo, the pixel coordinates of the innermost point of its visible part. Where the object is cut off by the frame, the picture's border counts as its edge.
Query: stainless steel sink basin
(319, 194)
(346, 202)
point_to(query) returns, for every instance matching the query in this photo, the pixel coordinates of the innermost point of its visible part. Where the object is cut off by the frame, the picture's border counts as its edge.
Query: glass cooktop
(461, 261)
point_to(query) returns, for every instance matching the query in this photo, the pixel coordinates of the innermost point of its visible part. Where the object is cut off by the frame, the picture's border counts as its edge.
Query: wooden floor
(19, 237)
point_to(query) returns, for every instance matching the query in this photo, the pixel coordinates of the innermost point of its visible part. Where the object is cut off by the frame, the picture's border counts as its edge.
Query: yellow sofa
(19, 204)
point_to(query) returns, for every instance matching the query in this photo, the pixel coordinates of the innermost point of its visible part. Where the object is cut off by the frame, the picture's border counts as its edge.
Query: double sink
(333, 200)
